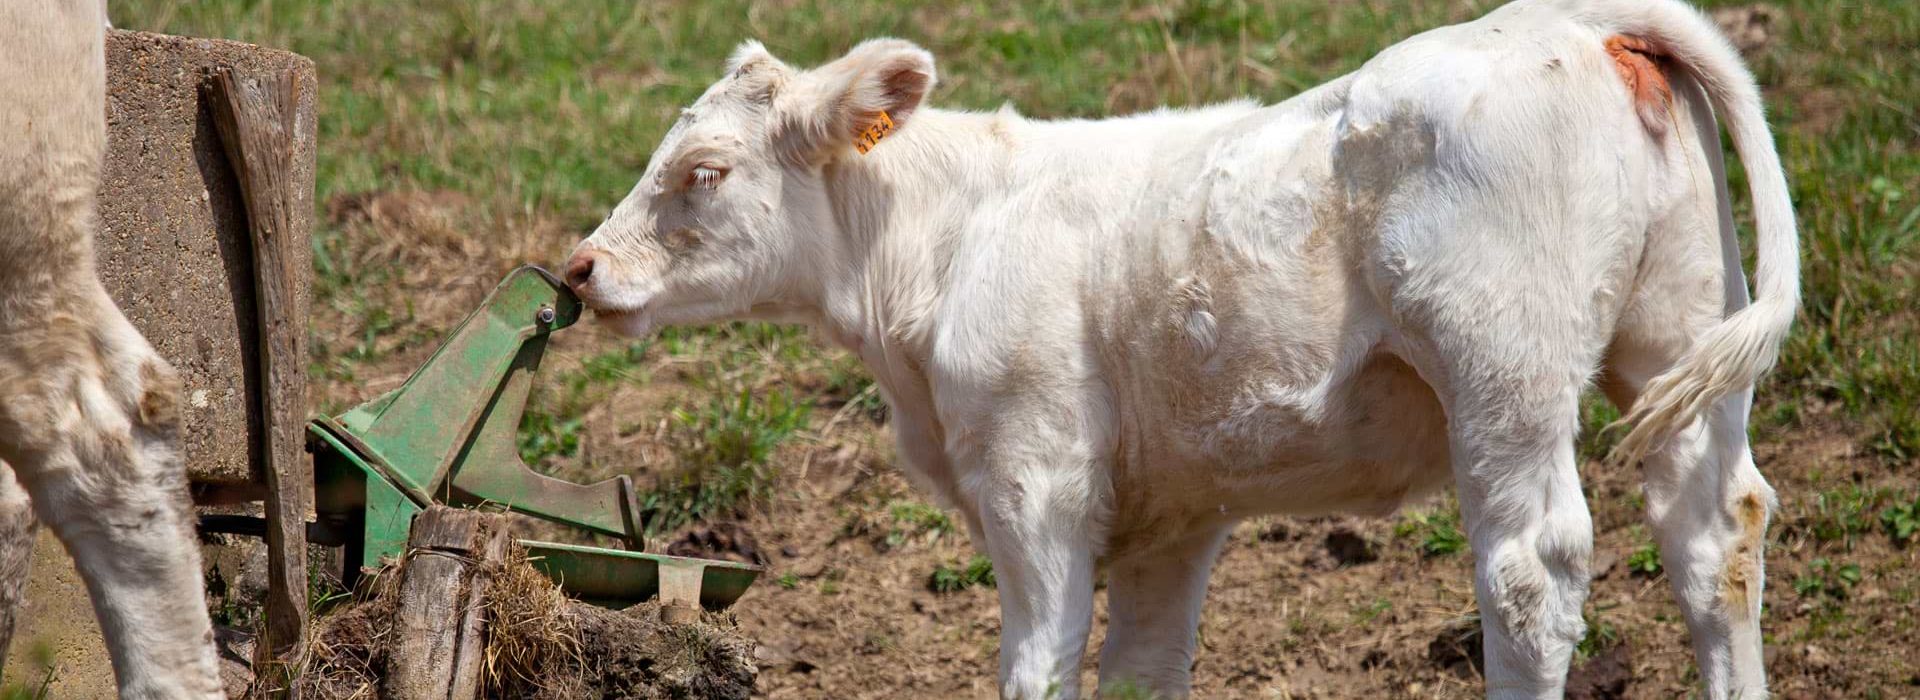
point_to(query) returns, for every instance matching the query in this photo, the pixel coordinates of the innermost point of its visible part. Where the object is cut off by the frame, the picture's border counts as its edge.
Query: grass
(915, 520)
(556, 410)
(1601, 634)
(1127, 689)
(1645, 560)
(1826, 578)
(891, 520)
(1437, 530)
(953, 578)
(725, 451)
(1840, 515)
(1902, 520)
(38, 685)
(1364, 614)
(1596, 413)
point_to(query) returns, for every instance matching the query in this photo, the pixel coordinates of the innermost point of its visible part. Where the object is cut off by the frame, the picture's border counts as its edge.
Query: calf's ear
(856, 101)
(755, 73)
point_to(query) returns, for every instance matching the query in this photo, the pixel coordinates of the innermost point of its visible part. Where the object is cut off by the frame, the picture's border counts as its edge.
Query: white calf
(1107, 341)
(88, 412)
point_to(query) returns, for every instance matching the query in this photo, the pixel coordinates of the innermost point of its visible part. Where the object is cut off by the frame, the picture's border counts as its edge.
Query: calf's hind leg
(1510, 377)
(1531, 535)
(1708, 505)
(1706, 501)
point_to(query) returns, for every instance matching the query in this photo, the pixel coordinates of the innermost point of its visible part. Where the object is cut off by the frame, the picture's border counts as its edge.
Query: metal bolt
(546, 314)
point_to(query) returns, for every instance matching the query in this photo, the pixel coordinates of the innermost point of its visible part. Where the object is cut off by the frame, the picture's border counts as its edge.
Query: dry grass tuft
(528, 629)
(346, 652)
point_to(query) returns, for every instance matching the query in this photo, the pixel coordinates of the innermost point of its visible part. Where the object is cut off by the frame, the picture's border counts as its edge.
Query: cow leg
(88, 412)
(1035, 503)
(17, 528)
(1153, 606)
(1531, 535)
(1510, 379)
(1708, 507)
(89, 425)
(1043, 566)
(1706, 501)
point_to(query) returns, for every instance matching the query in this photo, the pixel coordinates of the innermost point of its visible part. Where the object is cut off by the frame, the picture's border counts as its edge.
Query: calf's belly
(1376, 440)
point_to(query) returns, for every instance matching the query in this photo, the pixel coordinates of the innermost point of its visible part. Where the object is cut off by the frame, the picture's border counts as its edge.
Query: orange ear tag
(870, 137)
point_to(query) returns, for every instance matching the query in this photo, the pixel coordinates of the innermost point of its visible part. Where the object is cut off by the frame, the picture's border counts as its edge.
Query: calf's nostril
(579, 270)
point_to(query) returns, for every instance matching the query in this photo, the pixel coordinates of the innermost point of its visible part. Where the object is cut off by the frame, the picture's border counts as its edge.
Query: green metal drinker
(447, 436)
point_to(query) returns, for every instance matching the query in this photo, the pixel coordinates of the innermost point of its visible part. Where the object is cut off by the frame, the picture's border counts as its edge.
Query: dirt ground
(1326, 608)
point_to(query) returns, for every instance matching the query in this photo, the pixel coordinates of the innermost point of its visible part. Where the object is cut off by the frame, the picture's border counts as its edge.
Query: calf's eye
(705, 176)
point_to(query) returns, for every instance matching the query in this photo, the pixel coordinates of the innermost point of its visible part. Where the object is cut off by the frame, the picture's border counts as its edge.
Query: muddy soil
(542, 646)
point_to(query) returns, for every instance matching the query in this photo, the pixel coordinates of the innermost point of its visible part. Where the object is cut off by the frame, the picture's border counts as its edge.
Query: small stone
(1603, 562)
(1603, 677)
(1818, 658)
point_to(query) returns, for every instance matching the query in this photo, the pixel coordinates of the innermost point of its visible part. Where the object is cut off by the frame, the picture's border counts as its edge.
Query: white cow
(88, 412)
(1105, 342)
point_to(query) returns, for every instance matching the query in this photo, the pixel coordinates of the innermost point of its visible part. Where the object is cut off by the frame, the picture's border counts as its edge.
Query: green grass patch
(1839, 516)
(1828, 579)
(725, 451)
(1366, 613)
(1601, 634)
(915, 520)
(1126, 689)
(1644, 561)
(1438, 531)
(1596, 413)
(953, 578)
(38, 683)
(1902, 520)
(556, 411)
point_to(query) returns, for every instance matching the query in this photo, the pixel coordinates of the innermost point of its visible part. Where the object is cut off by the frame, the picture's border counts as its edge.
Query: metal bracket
(450, 435)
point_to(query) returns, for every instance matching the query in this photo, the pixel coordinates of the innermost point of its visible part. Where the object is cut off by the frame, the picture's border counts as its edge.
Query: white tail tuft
(1732, 355)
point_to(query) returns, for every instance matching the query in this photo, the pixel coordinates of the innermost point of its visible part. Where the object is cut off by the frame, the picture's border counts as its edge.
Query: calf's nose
(580, 268)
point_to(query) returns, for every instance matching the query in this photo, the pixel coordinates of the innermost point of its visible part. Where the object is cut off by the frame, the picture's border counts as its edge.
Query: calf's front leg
(1035, 511)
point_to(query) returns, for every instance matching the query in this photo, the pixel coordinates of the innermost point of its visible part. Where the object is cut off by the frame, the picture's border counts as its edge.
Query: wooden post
(439, 627)
(255, 117)
(471, 657)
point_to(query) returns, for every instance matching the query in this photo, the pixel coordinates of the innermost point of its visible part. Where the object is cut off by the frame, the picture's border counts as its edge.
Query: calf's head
(733, 216)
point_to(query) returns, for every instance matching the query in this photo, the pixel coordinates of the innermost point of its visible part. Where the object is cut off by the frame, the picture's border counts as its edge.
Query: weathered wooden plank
(470, 659)
(255, 116)
(440, 625)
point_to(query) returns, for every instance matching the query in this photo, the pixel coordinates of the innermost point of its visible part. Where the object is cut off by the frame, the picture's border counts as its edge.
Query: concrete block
(173, 247)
